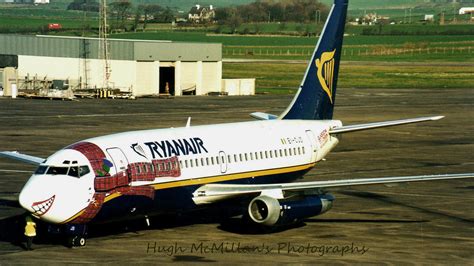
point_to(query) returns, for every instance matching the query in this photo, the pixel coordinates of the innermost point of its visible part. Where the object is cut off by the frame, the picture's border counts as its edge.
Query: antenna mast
(104, 48)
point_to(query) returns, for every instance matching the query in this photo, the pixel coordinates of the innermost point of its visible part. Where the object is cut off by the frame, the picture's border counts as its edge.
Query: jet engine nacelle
(269, 211)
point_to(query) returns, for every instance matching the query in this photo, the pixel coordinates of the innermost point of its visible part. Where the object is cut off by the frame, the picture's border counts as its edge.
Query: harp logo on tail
(325, 72)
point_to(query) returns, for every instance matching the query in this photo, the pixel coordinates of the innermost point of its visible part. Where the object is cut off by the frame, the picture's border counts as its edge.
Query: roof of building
(120, 49)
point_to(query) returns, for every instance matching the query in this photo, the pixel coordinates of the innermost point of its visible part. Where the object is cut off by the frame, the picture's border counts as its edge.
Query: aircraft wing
(359, 127)
(22, 157)
(263, 116)
(211, 193)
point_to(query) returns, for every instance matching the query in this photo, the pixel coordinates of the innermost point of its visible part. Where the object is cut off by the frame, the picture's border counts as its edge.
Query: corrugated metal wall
(63, 47)
(119, 49)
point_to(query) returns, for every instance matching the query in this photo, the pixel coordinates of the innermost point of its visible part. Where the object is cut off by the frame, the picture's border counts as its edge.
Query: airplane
(250, 166)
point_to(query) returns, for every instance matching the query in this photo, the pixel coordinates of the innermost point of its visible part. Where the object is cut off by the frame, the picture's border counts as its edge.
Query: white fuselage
(226, 149)
(194, 155)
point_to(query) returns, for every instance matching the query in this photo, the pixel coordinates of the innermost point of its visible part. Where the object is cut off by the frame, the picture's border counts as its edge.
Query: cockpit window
(73, 171)
(83, 170)
(57, 170)
(41, 170)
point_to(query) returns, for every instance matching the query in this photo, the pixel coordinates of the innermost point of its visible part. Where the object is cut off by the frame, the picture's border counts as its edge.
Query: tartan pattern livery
(146, 191)
(120, 182)
(158, 168)
(93, 153)
(107, 183)
(91, 211)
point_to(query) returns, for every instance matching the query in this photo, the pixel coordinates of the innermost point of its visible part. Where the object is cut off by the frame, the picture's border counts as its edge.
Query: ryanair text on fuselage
(168, 148)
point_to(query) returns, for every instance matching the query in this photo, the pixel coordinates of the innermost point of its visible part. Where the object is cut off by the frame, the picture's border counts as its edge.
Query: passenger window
(217, 160)
(256, 155)
(281, 153)
(212, 160)
(240, 157)
(191, 163)
(138, 169)
(186, 163)
(229, 159)
(197, 162)
(286, 152)
(290, 152)
(251, 156)
(303, 150)
(266, 154)
(235, 158)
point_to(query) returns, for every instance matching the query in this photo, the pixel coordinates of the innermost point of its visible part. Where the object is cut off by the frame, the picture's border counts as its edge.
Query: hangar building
(140, 67)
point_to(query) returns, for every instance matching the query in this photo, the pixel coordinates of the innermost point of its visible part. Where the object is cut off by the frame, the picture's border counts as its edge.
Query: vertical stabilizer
(317, 93)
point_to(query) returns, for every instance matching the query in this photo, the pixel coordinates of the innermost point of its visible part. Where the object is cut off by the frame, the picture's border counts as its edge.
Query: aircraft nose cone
(25, 200)
(30, 201)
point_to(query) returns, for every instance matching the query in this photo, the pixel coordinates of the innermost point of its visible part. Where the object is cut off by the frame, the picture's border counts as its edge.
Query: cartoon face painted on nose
(60, 188)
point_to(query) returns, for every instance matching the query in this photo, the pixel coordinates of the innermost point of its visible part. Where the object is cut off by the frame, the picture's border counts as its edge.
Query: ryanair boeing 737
(247, 165)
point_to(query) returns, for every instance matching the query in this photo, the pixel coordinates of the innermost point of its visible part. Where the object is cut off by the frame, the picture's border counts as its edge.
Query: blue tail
(317, 93)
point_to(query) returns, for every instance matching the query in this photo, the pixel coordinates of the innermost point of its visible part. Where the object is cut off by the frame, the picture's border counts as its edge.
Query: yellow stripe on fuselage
(222, 178)
(73, 217)
(112, 196)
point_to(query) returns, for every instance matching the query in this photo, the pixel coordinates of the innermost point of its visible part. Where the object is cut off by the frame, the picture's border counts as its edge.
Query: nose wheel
(76, 241)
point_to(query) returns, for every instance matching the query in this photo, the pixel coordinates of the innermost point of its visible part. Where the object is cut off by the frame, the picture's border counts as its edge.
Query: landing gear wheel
(80, 241)
(76, 241)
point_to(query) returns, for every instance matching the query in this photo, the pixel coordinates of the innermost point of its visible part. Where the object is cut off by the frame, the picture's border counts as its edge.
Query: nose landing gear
(76, 241)
(76, 235)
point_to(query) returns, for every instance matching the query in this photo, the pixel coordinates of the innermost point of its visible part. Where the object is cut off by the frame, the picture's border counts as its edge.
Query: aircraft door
(119, 159)
(314, 145)
(223, 161)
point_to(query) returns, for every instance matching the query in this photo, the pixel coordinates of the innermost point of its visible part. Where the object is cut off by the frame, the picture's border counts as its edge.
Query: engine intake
(269, 211)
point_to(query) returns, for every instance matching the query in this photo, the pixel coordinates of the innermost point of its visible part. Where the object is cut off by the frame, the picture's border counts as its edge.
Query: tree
(166, 16)
(122, 10)
(234, 21)
(150, 12)
(84, 5)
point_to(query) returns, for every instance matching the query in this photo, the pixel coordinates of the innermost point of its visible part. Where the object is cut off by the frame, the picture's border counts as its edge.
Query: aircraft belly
(172, 200)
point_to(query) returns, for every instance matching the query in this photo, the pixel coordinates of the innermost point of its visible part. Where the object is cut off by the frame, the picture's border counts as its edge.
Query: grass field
(285, 78)
(251, 40)
(357, 47)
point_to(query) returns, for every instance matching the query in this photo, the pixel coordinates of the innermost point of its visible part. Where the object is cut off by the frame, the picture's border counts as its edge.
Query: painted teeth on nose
(40, 208)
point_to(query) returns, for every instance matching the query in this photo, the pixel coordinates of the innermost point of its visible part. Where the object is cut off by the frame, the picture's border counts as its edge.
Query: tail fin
(317, 93)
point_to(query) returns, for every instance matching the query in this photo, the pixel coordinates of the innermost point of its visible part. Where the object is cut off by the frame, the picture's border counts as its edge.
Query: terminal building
(140, 67)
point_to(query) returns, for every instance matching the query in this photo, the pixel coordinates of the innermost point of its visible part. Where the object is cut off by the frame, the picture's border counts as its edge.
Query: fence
(373, 51)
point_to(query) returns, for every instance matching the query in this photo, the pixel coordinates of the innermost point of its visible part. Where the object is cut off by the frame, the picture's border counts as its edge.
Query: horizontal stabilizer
(22, 157)
(215, 192)
(263, 116)
(359, 127)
